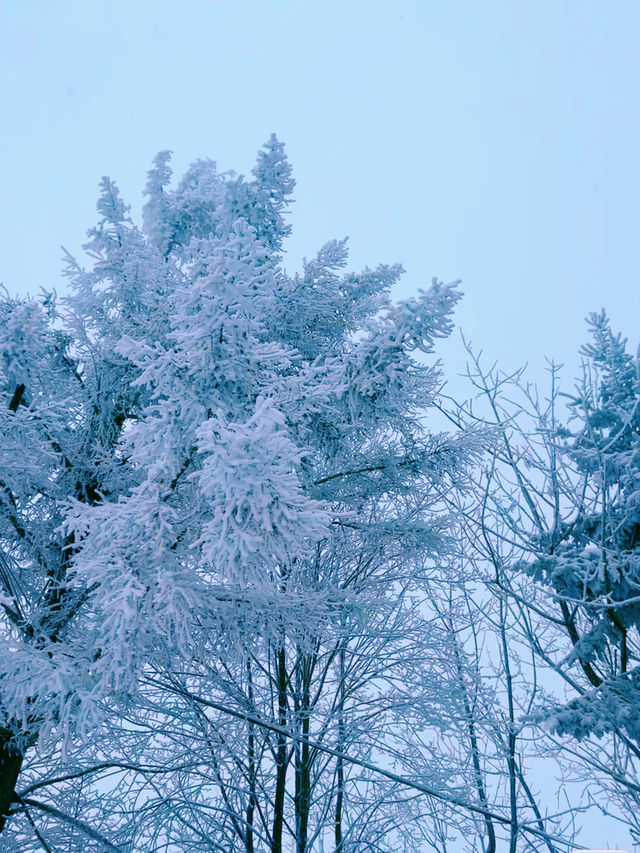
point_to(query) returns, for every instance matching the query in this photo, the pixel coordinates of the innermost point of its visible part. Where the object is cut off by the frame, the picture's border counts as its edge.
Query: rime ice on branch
(207, 463)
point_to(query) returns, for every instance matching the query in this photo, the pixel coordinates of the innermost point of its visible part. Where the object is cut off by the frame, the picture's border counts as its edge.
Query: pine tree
(595, 569)
(557, 520)
(226, 495)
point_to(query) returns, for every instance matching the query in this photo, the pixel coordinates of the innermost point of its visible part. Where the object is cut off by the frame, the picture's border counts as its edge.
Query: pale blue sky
(490, 140)
(486, 140)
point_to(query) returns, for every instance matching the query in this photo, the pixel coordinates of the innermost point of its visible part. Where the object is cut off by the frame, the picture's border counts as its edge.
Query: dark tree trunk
(251, 762)
(11, 758)
(475, 750)
(303, 757)
(337, 823)
(281, 753)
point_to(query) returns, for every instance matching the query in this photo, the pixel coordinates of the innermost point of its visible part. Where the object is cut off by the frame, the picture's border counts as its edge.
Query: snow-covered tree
(66, 398)
(219, 497)
(558, 521)
(593, 565)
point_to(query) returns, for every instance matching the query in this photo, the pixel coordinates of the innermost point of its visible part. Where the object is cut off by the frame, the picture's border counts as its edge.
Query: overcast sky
(490, 140)
(496, 142)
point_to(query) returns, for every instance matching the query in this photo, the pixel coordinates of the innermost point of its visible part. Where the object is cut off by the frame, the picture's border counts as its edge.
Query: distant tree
(218, 501)
(559, 520)
(593, 567)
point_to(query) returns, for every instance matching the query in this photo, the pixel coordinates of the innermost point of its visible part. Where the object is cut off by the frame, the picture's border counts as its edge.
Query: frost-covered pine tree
(593, 568)
(217, 490)
(66, 398)
(558, 523)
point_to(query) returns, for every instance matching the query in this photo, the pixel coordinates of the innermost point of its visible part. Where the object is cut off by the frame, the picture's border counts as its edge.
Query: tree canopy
(216, 479)
(251, 599)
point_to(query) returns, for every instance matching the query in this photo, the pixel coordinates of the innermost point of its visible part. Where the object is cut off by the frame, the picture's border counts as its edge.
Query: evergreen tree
(218, 492)
(594, 568)
(557, 521)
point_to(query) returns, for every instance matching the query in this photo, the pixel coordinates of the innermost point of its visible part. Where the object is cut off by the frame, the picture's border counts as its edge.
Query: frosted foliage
(202, 454)
(260, 515)
(146, 594)
(597, 563)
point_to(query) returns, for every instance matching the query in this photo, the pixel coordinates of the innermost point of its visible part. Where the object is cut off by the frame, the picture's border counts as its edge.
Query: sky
(493, 141)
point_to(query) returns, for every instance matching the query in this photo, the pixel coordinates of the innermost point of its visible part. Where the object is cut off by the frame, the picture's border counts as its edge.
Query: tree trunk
(251, 761)
(11, 758)
(337, 824)
(512, 738)
(281, 753)
(303, 762)
(473, 740)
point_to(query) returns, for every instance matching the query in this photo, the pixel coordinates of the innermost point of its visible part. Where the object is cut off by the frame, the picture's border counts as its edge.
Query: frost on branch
(207, 462)
(260, 516)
